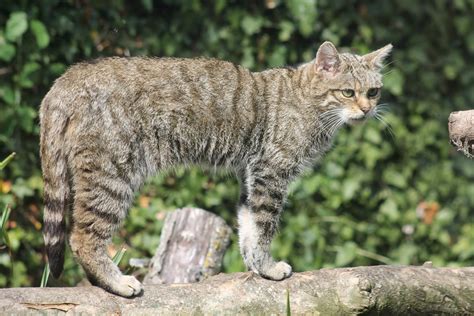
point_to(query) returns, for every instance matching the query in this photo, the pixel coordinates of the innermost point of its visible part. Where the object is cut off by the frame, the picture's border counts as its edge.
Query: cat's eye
(373, 92)
(348, 93)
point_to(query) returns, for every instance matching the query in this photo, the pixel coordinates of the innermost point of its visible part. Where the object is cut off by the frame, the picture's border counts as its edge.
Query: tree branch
(378, 289)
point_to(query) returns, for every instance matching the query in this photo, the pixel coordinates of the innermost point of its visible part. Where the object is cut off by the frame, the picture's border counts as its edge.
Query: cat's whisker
(382, 110)
(388, 72)
(329, 124)
(385, 124)
(338, 125)
(387, 64)
(330, 118)
(334, 125)
(330, 112)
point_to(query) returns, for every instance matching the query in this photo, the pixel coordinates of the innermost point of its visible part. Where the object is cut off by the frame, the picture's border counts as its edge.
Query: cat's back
(118, 80)
(140, 96)
(147, 70)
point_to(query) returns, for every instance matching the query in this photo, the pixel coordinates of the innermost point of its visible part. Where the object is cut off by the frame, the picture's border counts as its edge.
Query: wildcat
(109, 124)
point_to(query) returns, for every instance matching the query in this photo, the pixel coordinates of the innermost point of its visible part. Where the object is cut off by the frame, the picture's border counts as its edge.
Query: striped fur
(108, 125)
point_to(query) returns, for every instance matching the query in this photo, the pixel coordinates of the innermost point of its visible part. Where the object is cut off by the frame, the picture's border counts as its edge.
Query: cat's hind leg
(101, 203)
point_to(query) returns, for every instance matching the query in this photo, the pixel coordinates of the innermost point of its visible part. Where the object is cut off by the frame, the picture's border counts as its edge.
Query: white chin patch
(352, 118)
(352, 121)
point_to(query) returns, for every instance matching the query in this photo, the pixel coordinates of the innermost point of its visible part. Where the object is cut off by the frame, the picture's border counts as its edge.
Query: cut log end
(461, 131)
(192, 246)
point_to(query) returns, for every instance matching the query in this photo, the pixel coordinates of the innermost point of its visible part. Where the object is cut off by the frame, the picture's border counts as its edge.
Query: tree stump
(461, 131)
(192, 246)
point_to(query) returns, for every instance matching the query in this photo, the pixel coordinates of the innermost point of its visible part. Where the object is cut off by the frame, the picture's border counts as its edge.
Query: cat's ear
(376, 58)
(327, 59)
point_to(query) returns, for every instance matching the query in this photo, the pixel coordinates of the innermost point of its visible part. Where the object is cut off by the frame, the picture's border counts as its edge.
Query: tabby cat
(109, 124)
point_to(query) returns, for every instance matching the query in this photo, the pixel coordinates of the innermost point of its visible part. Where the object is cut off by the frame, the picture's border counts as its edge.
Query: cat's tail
(56, 186)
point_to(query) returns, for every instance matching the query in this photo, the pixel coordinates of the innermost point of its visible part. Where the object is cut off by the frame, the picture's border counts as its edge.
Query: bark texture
(386, 290)
(192, 245)
(461, 131)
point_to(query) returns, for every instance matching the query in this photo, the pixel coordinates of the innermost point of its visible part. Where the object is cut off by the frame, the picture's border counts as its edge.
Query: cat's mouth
(357, 120)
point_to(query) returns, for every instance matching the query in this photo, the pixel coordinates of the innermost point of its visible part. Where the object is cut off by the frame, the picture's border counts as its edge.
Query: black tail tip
(56, 259)
(55, 269)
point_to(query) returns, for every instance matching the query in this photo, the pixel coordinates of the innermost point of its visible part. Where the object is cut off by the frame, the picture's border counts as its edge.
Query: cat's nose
(365, 109)
(364, 105)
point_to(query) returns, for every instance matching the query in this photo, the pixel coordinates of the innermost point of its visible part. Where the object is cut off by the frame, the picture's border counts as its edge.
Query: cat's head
(350, 83)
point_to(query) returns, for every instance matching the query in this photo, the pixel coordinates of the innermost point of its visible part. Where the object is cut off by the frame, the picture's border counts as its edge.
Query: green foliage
(376, 198)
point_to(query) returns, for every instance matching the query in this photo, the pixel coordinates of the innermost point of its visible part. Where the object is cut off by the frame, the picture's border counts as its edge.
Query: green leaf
(395, 178)
(40, 32)
(24, 79)
(219, 5)
(57, 68)
(8, 95)
(252, 24)
(304, 11)
(16, 25)
(286, 30)
(390, 209)
(278, 57)
(7, 51)
(393, 82)
(346, 254)
(349, 188)
(406, 252)
(148, 5)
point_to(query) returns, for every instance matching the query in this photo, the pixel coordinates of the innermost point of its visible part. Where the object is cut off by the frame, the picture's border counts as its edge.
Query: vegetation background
(376, 198)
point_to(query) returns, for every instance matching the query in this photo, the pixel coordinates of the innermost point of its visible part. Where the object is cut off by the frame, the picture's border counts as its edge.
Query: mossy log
(385, 290)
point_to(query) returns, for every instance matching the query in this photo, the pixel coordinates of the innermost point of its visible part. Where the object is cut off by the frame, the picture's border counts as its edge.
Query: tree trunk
(193, 243)
(385, 290)
(461, 131)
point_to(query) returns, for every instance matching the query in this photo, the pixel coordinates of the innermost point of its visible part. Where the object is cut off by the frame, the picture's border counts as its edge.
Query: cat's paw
(126, 286)
(278, 271)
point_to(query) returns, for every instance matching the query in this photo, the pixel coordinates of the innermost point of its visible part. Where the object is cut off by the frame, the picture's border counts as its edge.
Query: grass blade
(118, 256)
(3, 224)
(3, 219)
(4, 234)
(45, 276)
(288, 307)
(5, 162)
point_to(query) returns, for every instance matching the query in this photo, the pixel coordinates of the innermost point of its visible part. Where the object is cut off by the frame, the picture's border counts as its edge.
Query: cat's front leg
(259, 215)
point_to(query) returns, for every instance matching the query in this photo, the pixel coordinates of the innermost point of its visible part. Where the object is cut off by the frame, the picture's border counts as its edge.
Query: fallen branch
(379, 290)
(461, 131)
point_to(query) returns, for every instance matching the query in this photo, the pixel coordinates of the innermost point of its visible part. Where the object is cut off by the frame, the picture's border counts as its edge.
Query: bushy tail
(56, 185)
